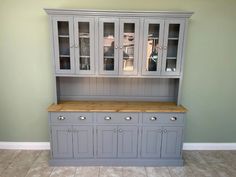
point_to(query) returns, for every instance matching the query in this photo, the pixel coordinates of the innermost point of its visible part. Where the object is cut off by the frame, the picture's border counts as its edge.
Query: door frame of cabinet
(179, 49)
(100, 45)
(67, 141)
(136, 45)
(91, 22)
(70, 21)
(161, 22)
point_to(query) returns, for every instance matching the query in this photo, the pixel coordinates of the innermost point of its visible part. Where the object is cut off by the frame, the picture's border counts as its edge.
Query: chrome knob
(165, 47)
(165, 131)
(160, 48)
(153, 118)
(116, 47)
(71, 46)
(107, 118)
(120, 130)
(173, 118)
(61, 118)
(82, 118)
(121, 47)
(128, 118)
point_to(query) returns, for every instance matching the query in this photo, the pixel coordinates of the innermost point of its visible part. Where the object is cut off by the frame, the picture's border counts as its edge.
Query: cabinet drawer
(109, 118)
(81, 118)
(163, 118)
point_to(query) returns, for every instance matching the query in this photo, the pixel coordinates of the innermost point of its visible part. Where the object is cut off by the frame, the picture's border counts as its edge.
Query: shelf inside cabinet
(62, 35)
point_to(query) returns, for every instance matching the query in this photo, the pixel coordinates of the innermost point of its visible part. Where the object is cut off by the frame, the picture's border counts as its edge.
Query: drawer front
(163, 118)
(79, 117)
(122, 118)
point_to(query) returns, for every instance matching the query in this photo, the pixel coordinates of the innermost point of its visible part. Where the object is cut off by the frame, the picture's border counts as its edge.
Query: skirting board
(186, 146)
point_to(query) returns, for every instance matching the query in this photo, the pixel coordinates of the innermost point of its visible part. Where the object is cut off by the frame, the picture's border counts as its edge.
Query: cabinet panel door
(108, 46)
(83, 141)
(63, 45)
(128, 46)
(62, 142)
(152, 46)
(172, 142)
(173, 45)
(127, 141)
(151, 142)
(106, 141)
(84, 45)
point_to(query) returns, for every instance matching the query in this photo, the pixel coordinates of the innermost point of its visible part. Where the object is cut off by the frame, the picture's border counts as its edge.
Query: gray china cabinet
(117, 78)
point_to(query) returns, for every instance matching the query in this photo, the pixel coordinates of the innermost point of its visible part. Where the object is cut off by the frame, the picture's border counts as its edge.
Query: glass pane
(152, 47)
(128, 46)
(174, 30)
(64, 62)
(172, 47)
(108, 46)
(64, 44)
(63, 28)
(84, 45)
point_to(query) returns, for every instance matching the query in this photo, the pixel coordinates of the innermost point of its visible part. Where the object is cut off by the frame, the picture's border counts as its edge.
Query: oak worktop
(115, 106)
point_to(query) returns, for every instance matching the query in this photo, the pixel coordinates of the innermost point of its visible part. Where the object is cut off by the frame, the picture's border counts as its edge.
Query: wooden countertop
(115, 106)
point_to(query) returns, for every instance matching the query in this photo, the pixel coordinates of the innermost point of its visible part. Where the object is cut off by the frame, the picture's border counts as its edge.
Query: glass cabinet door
(128, 46)
(172, 49)
(108, 46)
(84, 45)
(64, 45)
(153, 42)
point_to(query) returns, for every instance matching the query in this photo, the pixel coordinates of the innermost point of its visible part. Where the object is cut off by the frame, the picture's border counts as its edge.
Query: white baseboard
(209, 146)
(25, 145)
(186, 146)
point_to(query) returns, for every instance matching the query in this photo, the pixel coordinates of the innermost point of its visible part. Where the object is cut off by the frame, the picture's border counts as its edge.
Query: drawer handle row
(154, 118)
(63, 118)
(126, 118)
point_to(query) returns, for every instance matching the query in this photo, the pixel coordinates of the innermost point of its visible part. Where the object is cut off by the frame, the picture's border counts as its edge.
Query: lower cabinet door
(62, 142)
(151, 142)
(83, 141)
(127, 141)
(172, 142)
(106, 141)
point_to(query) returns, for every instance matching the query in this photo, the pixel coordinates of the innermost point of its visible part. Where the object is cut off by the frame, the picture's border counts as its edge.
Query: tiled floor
(16, 163)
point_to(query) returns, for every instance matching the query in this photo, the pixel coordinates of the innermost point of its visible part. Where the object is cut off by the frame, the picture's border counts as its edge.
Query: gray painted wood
(62, 141)
(147, 22)
(107, 141)
(127, 141)
(172, 142)
(179, 48)
(151, 142)
(56, 44)
(83, 141)
(91, 22)
(74, 88)
(123, 21)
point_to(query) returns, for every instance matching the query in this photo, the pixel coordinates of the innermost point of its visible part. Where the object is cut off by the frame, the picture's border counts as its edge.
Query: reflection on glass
(84, 45)
(128, 46)
(108, 46)
(63, 28)
(172, 52)
(152, 47)
(64, 45)
(64, 62)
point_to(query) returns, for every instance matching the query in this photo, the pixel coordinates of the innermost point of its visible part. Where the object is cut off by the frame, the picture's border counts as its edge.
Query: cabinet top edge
(116, 106)
(183, 14)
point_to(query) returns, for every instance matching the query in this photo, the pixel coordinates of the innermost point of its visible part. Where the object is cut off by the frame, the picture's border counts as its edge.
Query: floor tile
(87, 172)
(157, 172)
(134, 172)
(110, 171)
(63, 172)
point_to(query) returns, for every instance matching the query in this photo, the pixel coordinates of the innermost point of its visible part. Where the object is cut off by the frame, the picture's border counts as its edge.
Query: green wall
(209, 85)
